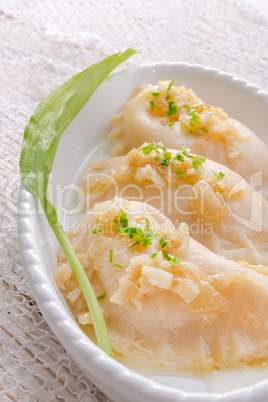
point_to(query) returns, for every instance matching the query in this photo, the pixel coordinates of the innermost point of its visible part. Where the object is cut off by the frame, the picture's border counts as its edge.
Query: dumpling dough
(225, 215)
(200, 313)
(206, 130)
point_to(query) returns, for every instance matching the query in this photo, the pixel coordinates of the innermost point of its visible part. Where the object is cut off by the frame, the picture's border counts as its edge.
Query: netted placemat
(43, 43)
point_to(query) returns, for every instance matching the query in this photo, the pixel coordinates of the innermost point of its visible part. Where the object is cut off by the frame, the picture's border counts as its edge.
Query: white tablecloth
(42, 43)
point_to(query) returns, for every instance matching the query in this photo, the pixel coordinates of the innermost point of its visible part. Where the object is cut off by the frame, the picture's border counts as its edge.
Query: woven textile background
(42, 43)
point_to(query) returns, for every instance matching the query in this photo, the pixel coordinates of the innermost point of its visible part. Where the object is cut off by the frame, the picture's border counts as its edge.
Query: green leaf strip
(41, 139)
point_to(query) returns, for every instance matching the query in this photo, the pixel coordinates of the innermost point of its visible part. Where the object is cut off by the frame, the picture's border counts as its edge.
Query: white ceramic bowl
(85, 139)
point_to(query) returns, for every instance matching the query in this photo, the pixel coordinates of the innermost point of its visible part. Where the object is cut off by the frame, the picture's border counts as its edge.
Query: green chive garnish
(162, 146)
(98, 228)
(149, 148)
(174, 260)
(180, 158)
(172, 108)
(169, 89)
(163, 242)
(116, 265)
(101, 296)
(220, 175)
(163, 162)
(180, 174)
(157, 92)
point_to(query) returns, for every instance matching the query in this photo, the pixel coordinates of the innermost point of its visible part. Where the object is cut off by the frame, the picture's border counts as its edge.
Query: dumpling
(167, 300)
(223, 212)
(177, 117)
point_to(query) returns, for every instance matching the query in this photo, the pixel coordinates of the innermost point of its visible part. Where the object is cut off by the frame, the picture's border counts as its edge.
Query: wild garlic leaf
(40, 142)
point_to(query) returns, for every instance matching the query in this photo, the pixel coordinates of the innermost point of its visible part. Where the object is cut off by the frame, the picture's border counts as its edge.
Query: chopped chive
(185, 152)
(124, 220)
(101, 296)
(171, 123)
(162, 146)
(151, 104)
(167, 155)
(167, 158)
(187, 107)
(197, 161)
(163, 162)
(116, 224)
(145, 238)
(171, 258)
(163, 242)
(172, 108)
(137, 241)
(220, 175)
(146, 241)
(157, 92)
(132, 231)
(153, 255)
(99, 228)
(180, 174)
(194, 120)
(179, 157)
(116, 265)
(169, 89)
(149, 148)
(204, 129)
(111, 255)
(187, 128)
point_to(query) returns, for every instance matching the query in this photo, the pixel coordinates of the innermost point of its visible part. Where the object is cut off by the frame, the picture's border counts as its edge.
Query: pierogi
(223, 211)
(167, 300)
(177, 117)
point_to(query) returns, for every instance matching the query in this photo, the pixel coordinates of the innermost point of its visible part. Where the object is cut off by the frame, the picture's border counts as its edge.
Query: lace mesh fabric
(44, 43)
